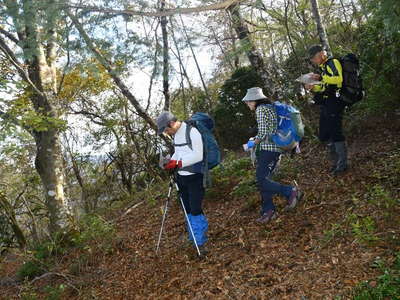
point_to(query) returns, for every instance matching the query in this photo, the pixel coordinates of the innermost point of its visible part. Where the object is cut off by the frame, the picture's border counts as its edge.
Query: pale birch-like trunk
(320, 26)
(39, 54)
(253, 55)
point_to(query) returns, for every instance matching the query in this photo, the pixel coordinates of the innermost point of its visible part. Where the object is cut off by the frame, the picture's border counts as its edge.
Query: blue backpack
(290, 129)
(211, 153)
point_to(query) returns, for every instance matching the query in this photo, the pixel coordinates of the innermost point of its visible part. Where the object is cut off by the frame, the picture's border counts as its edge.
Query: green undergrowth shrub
(93, 235)
(42, 255)
(55, 292)
(234, 177)
(31, 269)
(28, 295)
(285, 170)
(386, 286)
(153, 193)
(94, 231)
(336, 230)
(363, 229)
(381, 197)
(56, 245)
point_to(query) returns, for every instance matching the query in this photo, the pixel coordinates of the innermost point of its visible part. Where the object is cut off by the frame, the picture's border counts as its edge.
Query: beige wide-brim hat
(254, 94)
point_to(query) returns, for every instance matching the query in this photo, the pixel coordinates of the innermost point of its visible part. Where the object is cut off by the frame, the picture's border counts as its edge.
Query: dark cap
(314, 50)
(163, 121)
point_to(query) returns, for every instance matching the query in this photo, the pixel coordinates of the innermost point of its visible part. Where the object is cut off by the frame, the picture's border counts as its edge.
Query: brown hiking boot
(294, 198)
(267, 216)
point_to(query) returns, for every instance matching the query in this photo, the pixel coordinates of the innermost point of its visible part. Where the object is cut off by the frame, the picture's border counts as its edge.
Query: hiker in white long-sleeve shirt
(188, 162)
(189, 157)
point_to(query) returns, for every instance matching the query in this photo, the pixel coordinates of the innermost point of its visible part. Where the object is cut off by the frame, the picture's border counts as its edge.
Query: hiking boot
(338, 171)
(184, 241)
(267, 216)
(332, 155)
(341, 164)
(294, 198)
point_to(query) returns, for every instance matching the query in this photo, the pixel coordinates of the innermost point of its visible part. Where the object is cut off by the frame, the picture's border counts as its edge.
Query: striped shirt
(267, 123)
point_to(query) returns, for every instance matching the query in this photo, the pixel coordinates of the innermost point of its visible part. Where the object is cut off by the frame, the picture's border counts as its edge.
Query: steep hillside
(341, 231)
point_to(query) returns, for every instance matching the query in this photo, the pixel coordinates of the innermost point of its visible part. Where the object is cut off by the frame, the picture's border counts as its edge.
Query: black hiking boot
(332, 155)
(338, 171)
(341, 164)
(204, 250)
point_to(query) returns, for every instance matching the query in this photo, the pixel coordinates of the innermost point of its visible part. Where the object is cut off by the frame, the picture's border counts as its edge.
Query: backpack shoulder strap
(189, 126)
(271, 106)
(330, 62)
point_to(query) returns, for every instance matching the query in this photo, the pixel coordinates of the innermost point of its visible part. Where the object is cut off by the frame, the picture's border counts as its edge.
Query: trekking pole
(171, 183)
(187, 220)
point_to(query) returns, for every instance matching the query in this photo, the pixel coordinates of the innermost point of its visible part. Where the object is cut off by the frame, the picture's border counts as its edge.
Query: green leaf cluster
(235, 122)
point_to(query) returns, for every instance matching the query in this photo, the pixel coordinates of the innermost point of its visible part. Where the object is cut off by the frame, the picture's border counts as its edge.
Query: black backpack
(352, 89)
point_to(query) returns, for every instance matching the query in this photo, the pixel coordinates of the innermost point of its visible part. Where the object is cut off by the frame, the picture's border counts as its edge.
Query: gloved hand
(251, 144)
(173, 164)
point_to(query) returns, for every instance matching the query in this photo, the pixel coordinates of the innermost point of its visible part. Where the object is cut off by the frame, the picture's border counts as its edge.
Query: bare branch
(92, 116)
(9, 35)
(111, 71)
(59, 275)
(11, 57)
(168, 12)
(60, 86)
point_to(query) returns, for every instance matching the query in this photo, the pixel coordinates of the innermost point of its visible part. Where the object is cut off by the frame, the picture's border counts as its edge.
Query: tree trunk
(49, 164)
(34, 228)
(182, 71)
(234, 47)
(10, 213)
(164, 31)
(253, 55)
(320, 27)
(197, 63)
(75, 167)
(49, 160)
(41, 79)
(287, 4)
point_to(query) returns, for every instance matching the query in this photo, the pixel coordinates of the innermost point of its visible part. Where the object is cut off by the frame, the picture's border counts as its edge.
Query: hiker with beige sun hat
(268, 154)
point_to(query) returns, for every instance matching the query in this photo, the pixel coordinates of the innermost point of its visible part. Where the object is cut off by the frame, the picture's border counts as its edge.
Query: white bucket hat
(254, 94)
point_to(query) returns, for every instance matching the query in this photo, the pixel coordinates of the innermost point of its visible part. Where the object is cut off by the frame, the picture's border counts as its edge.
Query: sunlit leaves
(85, 80)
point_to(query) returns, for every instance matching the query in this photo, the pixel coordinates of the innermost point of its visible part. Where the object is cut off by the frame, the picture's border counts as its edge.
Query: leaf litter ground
(309, 253)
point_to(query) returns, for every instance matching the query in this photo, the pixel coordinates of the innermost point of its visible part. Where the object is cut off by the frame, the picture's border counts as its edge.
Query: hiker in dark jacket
(267, 154)
(327, 95)
(188, 163)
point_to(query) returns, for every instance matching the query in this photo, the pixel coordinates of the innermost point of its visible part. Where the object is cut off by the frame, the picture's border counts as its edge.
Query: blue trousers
(266, 163)
(192, 192)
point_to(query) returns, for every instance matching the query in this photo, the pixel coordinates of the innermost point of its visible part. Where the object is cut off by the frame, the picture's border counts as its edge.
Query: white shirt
(188, 156)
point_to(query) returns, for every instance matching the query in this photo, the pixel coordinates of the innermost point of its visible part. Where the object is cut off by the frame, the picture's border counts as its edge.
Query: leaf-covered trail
(310, 253)
(290, 258)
